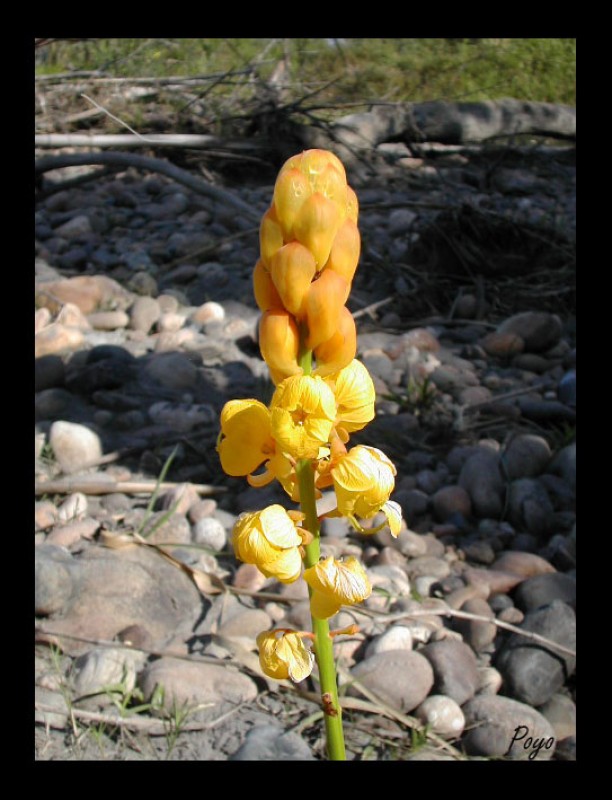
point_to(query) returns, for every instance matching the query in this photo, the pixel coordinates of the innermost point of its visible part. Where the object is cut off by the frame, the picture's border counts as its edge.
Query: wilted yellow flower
(302, 414)
(246, 437)
(269, 539)
(363, 480)
(355, 397)
(284, 657)
(336, 583)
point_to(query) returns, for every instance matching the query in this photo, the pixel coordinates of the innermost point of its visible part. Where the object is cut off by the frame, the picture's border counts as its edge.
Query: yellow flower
(363, 480)
(334, 584)
(284, 657)
(303, 411)
(269, 539)
(246, 437)
(355, 397)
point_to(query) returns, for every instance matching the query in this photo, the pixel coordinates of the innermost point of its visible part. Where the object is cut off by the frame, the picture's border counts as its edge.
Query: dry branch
(126, 160)
(191, 140)
(103, 486)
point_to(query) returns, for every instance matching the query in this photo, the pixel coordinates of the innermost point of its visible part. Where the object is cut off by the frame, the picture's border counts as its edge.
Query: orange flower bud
(345, 252)
(352, 210)
(331, 184)
(324, 301)
(292, 269)
(270, 236)
(279, 341)
(291, 191)
(316, 225)
(340, 349)
(266, 295)
(313, 163)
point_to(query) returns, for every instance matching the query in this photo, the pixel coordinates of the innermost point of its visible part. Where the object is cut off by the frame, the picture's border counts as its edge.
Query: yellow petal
(286, 566)
(355, 396)
(278, 527)
(363, 481)
(247, 440)
(393, 512)
(323, 606)
(269, 539)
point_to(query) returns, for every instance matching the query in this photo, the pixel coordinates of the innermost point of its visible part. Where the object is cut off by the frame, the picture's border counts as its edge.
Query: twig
(154, 727)
(451, 612)
(48, 163)
(96, 486)
(371, 308)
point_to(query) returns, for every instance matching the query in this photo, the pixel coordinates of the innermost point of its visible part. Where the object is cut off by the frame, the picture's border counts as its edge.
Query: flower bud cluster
(309, 247)
(309, 251)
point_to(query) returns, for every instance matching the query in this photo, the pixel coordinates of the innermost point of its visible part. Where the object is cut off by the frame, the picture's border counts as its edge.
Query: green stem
(323, 641)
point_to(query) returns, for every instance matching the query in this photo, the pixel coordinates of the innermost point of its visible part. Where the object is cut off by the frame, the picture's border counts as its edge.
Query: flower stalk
(309, 251)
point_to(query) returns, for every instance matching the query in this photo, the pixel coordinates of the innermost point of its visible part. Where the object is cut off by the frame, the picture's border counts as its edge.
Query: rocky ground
(146, 325)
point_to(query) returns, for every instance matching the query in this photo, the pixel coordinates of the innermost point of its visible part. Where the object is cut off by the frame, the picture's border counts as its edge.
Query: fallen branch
(191, 140)
(126, 160)
(97, 486)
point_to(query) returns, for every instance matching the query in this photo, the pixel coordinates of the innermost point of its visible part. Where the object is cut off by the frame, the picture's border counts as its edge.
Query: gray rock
(533, 672)
(396, 637)
(48, 372)
(401, 678)
(173, 370)
(529, 506)
(564, 465)
(108, 320)
(51, 708)
(525, 456)
(144, 314)
(498, 727)
(540, 330)
(442, 714)
(53, 579)
(272, 743)
(104, 667)
(400, 221)
(566, 749)
(116, 588)
(477, 633)
(455, 669)
(188, 683)
(481, 477)
(541, 590)
(75, 446)
(437, 568)
(451, 500)
(560, 711)
(76, 228)
(566, 390)
(414, 503)
(210, 533)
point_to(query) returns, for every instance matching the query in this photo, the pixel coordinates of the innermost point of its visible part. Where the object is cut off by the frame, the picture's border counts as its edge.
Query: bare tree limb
(48, 163)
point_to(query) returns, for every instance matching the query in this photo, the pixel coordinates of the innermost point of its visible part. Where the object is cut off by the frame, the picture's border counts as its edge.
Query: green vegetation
(339, 71)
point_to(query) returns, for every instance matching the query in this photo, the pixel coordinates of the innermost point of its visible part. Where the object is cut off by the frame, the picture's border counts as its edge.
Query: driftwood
(112, 158)
(447, 123)
(193, 141)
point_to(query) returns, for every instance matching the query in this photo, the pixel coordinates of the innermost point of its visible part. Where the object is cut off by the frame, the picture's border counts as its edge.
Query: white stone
(443, 715)
(209, 532)
(397, 637)
(75, 446)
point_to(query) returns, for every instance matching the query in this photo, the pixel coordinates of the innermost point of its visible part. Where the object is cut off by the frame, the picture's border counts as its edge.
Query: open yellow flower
(363, 480)
(303, 411)
(336, 583)
(284, 657)
(355, 397)
(269, 539)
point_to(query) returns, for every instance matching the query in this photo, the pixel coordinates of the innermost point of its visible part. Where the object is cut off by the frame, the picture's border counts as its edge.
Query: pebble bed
(145, 325)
